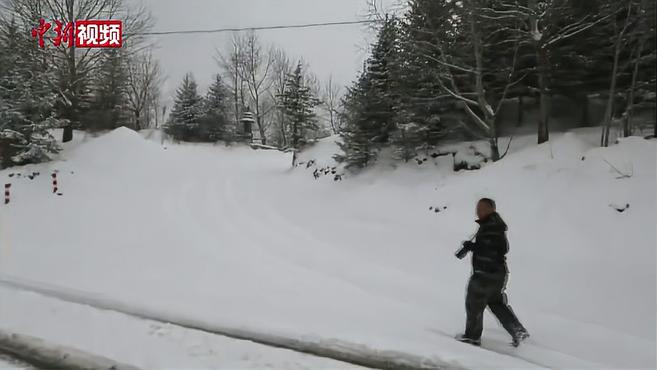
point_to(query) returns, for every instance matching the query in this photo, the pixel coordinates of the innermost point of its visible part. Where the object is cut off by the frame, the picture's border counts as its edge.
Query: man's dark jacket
(490, 246)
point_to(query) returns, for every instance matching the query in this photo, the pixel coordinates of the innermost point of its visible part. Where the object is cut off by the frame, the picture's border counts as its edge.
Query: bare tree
(255, 70)
(144, 78)
(282, 67)
(619, 45)
(331, 103)
(645, 27)
(464, 77)
(543, 28)
(231, 63)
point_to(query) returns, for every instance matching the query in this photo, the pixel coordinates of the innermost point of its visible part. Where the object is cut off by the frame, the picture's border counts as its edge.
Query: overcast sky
(338, 51)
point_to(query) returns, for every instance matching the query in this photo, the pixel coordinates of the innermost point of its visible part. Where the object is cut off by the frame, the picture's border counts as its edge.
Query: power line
(238, 29)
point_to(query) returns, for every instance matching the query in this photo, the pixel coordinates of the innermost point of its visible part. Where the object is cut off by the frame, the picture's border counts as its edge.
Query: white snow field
(149, 345)
(8, 364)
(234, 237)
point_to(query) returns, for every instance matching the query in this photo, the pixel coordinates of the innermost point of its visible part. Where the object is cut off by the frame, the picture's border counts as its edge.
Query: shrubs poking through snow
(469, 158)
(620, 209)
(318, 172)
(437, 209)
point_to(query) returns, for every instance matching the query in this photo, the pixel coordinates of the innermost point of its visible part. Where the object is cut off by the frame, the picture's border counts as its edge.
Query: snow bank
(40, 353)
(118, 146)
(144, 343)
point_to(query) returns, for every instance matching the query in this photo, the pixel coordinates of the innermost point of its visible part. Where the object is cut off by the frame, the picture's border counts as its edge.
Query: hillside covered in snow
(236, 237)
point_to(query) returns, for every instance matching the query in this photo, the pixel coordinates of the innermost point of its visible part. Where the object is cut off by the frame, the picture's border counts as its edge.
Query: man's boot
(520, 336)
(462, 338)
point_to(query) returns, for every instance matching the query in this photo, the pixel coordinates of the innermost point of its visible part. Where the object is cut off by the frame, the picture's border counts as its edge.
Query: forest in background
(437, 71)
(445, 69)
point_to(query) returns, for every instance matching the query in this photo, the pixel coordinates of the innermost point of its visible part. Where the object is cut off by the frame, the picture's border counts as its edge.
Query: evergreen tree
(184, 121)
(27, 99)
(108, 108)
(382, 70)
(299, 108)
(371, 105)
(215, 123)
(422, 104)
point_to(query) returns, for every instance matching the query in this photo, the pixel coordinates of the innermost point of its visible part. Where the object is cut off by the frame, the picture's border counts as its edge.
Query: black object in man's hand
(467, 247)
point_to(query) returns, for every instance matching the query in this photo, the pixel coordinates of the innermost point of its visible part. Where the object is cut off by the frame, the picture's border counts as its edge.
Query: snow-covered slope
(235, 237)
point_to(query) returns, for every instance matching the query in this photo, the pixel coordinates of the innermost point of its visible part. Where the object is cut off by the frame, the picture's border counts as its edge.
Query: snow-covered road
(234, 238)
(134, 341)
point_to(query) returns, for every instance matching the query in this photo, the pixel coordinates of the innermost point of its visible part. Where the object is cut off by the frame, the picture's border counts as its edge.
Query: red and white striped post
(54, 182)
(7, 187)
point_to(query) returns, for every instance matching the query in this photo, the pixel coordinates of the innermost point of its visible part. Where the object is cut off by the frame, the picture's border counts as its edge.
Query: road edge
(41, 354)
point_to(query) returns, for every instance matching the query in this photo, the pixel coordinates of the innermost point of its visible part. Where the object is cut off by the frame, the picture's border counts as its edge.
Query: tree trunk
(67, 135)
(494, 150)
(137, 121)
(584, 103)
(609, 111)
(544, 99)
(333, 128)
(629, 111)
(484, 106)
(261, 129)
(521, 112)
(281, 120)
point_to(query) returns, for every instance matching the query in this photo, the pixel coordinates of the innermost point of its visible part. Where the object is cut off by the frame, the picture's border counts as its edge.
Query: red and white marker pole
(54, 182)
(7, 186)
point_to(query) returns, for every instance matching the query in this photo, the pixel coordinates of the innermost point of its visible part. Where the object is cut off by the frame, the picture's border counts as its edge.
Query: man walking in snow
(489, 276)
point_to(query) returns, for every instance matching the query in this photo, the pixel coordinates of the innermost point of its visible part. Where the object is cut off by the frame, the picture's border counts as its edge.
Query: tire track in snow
(271, 223)
(329, 348)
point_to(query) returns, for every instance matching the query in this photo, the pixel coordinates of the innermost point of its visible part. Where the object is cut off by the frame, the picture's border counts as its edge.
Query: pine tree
(371, 105)
(423, 106)
(108, 107)
(215, 123)
(184, 121)
(382, 70)
(27, 100)
(299, 108)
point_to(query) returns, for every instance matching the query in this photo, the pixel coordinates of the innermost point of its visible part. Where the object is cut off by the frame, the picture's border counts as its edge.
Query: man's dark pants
(484, 290)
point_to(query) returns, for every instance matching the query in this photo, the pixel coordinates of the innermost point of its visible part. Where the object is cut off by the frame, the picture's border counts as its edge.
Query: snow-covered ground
(146, 344)
(7, 363)
(234, 237)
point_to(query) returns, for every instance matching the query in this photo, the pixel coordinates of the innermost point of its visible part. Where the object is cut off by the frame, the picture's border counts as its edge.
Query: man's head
(485, 207)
